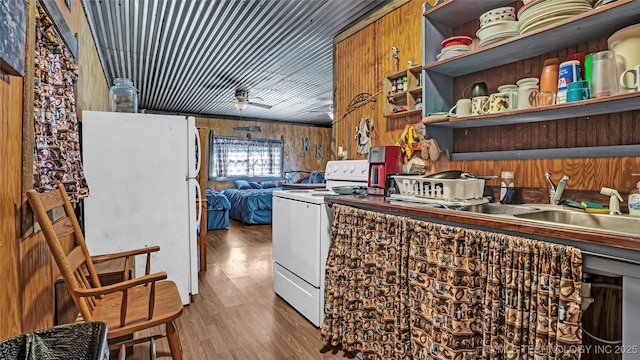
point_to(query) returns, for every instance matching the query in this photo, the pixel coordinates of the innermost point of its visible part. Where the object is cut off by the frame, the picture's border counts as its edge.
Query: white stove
(301, 227)
(337, 173)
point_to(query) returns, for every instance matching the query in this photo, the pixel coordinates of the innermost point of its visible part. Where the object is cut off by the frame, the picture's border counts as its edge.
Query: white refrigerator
(141, 170)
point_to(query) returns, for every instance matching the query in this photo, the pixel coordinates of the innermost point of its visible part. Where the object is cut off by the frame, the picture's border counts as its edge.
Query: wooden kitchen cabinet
(439, 22)
(406, 98)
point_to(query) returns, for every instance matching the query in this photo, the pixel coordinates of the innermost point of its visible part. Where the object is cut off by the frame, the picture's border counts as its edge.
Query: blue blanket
(251, 206)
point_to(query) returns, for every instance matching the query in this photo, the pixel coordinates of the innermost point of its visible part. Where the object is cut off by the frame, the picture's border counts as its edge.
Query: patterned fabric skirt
(399, 288)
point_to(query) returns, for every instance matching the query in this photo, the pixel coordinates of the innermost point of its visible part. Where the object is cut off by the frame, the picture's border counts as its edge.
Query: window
(245, 158)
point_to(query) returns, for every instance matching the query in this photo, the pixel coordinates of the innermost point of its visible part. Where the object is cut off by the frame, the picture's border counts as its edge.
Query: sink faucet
(614, 201)
(555, 193)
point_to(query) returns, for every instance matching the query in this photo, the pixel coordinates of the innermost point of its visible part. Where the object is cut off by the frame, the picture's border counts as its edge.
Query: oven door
(296, 238)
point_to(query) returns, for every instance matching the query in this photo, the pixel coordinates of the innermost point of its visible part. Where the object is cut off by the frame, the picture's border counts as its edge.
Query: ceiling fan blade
(265, 106)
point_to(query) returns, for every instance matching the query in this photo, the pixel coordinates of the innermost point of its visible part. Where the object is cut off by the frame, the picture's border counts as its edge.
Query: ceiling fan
(328, 111)
(242, 100)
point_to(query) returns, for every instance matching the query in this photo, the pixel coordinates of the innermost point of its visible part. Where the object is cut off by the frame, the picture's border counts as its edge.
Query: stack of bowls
(496, 25)
(454, 46)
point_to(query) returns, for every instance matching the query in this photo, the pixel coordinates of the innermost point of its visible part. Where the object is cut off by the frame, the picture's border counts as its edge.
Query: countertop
(613, 245)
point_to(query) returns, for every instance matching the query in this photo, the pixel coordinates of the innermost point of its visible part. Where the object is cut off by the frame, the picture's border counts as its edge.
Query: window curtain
(466, 294)
(245, 157)
(57, 153)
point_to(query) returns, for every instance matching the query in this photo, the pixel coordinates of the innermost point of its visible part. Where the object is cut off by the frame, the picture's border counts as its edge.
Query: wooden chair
(127, 307)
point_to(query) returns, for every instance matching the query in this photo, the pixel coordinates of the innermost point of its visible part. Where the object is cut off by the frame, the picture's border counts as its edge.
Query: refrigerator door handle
(199, 147)
(199, 210)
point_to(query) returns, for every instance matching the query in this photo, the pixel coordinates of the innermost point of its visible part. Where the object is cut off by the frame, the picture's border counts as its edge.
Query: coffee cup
(635, 84)
(479, 105)
(578, 91)
(512, 90)
(527, 96)
(462, 108)
(498, 102)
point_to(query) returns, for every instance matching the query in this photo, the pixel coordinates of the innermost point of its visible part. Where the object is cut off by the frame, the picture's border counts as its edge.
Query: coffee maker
(383, 161)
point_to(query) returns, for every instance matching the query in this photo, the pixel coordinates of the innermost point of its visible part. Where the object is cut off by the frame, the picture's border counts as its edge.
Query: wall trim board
(52, 9)
(394, 4)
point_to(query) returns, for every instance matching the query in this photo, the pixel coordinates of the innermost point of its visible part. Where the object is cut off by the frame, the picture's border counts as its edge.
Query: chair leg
(152, 349)
(174, 341)
(122, 355)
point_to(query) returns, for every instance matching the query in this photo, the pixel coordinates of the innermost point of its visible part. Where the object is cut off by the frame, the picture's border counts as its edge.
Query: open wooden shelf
(406, 97)
(600, 22)
(603, 105)
(441, 21)
(404, 113)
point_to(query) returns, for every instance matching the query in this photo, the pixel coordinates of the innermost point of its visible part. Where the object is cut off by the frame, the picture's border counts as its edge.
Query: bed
(251, 203)
(217, 210)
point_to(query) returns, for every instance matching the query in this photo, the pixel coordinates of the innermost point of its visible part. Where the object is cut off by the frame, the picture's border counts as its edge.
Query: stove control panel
(352, 170)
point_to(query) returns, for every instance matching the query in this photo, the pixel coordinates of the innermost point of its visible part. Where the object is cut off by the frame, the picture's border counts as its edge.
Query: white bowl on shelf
(498, 14)
(497, 27)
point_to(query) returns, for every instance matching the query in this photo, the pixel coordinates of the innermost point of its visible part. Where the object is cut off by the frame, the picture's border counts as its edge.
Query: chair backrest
(67, 245)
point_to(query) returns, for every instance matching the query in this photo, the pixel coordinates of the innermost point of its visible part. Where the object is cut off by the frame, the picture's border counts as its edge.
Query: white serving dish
(497, 27)
(498, 14)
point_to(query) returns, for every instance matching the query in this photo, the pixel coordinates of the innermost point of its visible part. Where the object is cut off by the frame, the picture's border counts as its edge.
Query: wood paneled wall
(363, 59)
(294, 157)
(37, 272)
(93, 90)
(10, 175)
(361, 63)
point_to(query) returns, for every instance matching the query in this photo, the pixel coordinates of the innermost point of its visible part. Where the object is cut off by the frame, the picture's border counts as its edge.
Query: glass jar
(123, 96)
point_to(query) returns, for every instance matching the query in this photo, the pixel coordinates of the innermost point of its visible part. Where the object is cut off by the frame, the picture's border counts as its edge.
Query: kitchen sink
(499, 209)
(616, 223)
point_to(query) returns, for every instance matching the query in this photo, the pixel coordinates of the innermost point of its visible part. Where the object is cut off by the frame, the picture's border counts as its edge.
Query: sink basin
(499, 209)
(616, 223)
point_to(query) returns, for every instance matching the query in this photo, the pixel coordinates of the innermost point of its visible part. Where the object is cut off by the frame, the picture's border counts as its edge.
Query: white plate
(543, 23)
(450, 54)
(498, 37)
(455, 48)
(493, 40)
(535, 6)
(497, 27)
(550, 8)
(553, 9)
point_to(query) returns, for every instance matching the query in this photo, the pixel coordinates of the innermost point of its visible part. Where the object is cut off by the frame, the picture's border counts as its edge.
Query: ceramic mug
(635, 71)
(512, 90)
(578, 91)
(498, 102)
(480, 105)
(462, 108)
(527, 96)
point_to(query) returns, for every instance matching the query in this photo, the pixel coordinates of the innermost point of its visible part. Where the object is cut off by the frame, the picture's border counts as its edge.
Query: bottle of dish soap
(634, 200)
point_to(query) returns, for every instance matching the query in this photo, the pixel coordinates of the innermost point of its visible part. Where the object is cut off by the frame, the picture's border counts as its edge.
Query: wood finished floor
(236, 314)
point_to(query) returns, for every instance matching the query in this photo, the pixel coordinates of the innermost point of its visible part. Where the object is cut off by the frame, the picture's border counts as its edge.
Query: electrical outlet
(319, 161)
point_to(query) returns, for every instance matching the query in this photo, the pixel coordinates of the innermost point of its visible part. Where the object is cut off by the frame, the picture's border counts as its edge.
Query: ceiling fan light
(240, 105)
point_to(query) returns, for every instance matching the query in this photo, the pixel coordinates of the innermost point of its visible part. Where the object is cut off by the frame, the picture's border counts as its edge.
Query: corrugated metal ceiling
(190, 56)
